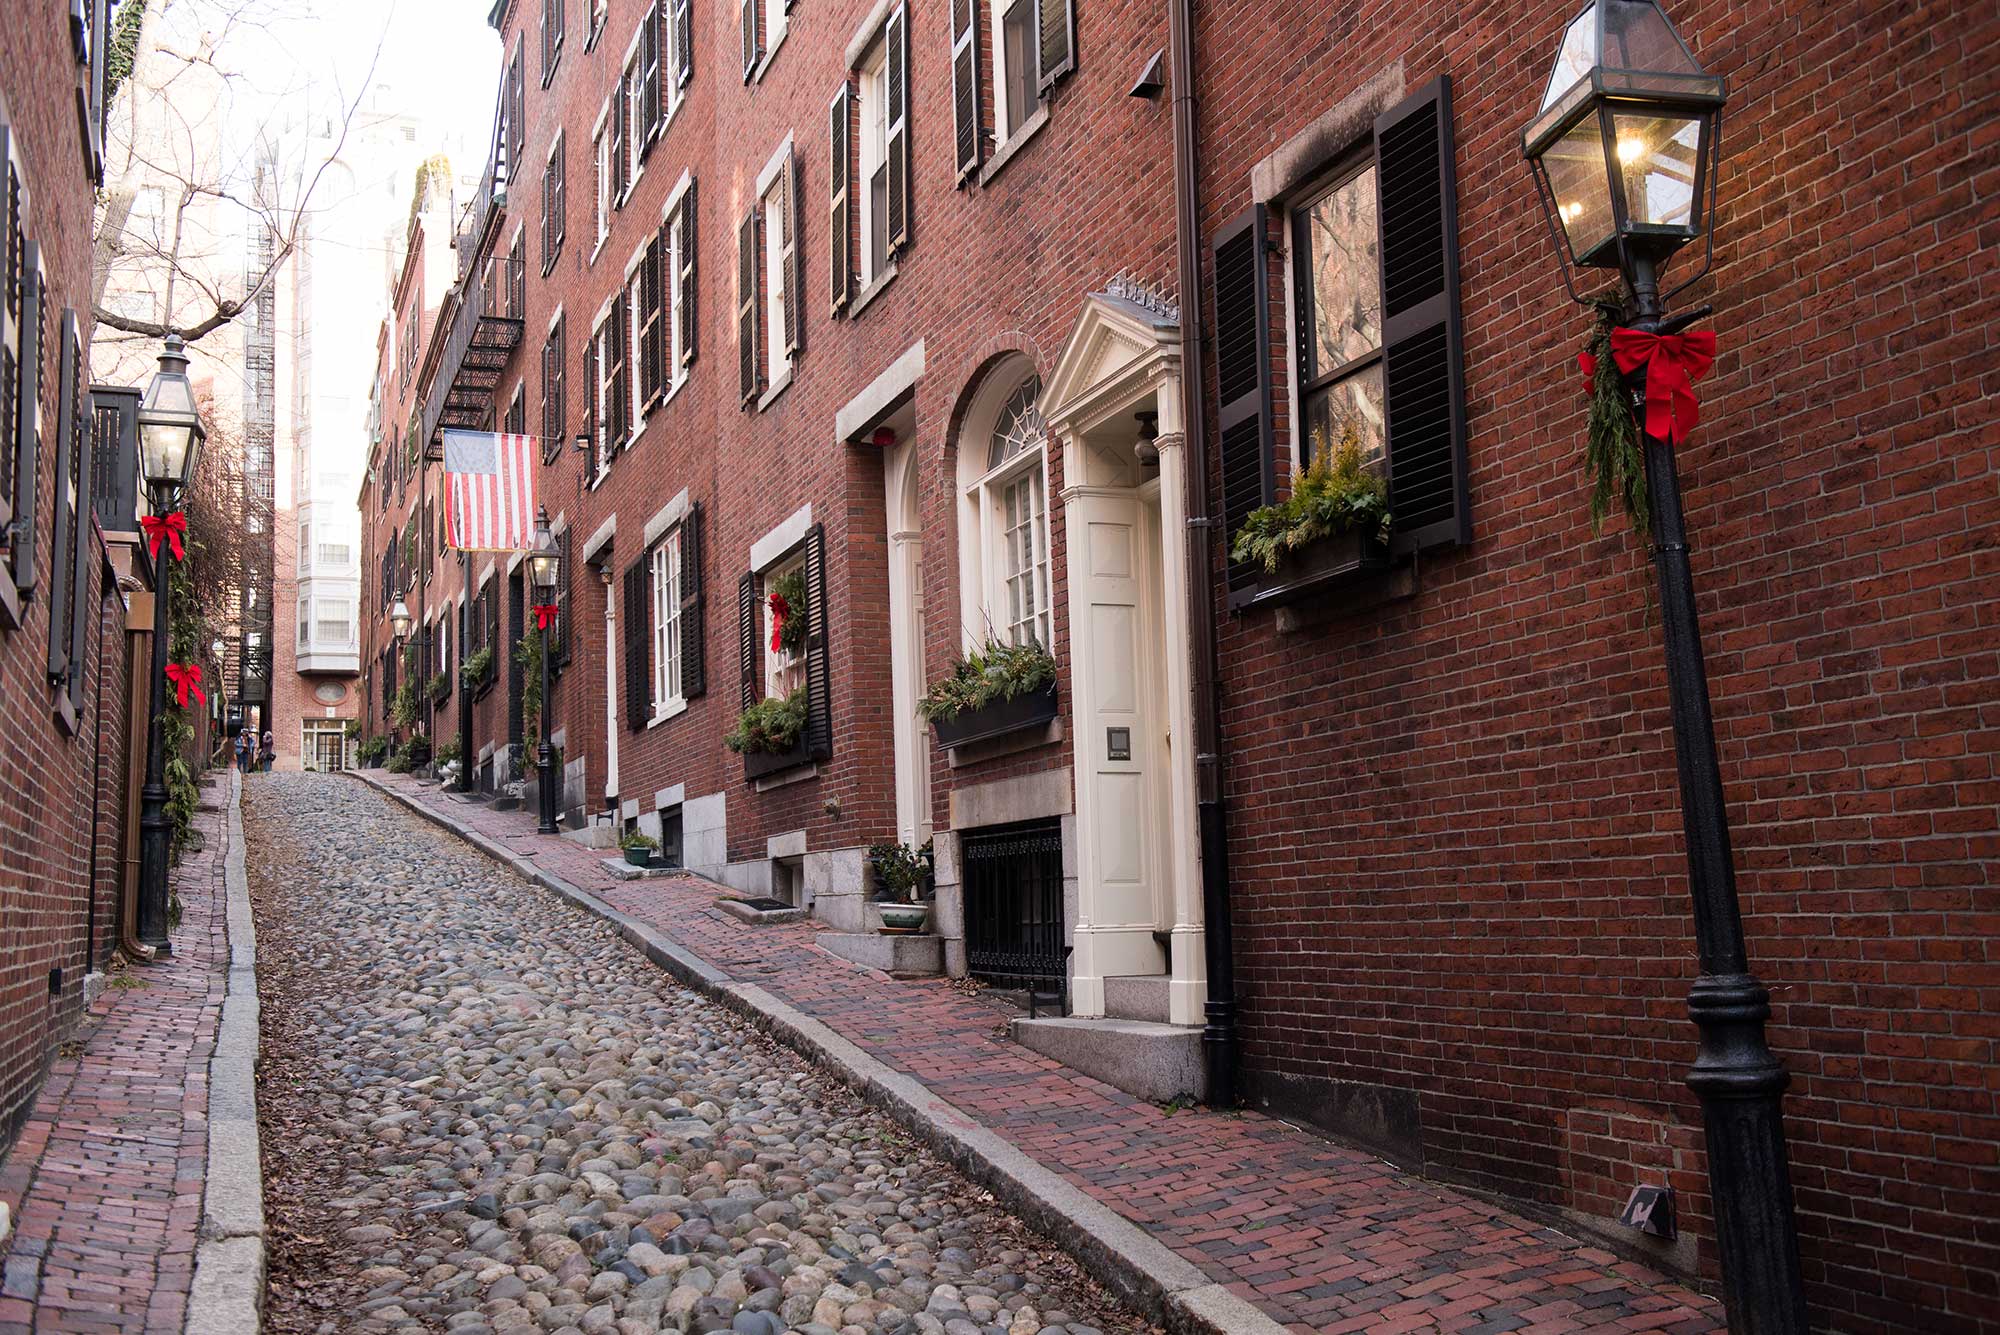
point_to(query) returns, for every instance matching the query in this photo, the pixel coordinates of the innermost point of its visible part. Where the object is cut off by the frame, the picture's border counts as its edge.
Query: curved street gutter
(227, 1297)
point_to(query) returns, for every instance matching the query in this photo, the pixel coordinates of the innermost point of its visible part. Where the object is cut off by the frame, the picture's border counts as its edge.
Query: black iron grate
(1014, 904)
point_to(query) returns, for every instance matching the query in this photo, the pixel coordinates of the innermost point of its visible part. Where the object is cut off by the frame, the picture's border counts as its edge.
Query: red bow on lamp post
(172, 527)
(545, 615)
(780, 609)
(1673, 363)
(186, 680)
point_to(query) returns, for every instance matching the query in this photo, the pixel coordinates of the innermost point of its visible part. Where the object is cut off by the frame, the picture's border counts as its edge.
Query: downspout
(1219, 1034)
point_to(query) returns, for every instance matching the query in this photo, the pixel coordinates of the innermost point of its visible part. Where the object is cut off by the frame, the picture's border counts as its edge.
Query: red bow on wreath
(780, 609)
(545, 615)
(1673, 363)
(172, 526)
(186, 680)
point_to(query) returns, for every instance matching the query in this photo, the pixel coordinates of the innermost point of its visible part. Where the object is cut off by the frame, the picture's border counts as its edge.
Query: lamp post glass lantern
(170, 440)
(1624, 155)
(545, 573)
(399, 619)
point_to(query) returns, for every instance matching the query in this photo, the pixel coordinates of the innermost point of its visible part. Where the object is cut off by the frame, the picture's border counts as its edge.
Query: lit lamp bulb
(1630, 150)
(1572, 211)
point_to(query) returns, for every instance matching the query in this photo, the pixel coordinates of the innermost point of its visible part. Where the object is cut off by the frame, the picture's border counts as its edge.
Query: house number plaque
(1118, 742)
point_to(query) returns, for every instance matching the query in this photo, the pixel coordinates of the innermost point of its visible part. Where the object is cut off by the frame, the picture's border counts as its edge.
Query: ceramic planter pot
(903, 919)
(639, 857)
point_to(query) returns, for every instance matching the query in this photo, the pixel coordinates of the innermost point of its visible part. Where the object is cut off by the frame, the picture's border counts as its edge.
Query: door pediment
(1115, 353)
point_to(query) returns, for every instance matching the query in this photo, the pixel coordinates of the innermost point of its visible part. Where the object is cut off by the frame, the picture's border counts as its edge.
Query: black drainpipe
(1219, 1036)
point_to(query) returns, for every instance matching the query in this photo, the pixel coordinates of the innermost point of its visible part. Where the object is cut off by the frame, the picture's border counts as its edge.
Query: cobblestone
(483, 1112)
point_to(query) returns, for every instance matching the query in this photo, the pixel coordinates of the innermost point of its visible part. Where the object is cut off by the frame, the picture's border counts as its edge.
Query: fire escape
(481, 317)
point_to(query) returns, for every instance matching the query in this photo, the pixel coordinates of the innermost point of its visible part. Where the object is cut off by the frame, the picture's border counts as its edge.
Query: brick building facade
(789, 285)
(68, 562)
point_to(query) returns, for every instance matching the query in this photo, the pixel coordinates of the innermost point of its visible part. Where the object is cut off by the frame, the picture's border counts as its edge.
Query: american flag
(489, 491)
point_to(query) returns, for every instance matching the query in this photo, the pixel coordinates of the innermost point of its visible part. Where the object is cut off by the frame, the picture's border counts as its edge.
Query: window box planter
(757, 764)
(1031, 710)
(1325, 565)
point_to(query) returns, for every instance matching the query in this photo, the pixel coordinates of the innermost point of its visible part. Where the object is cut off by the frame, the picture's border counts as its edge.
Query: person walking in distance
(269, 750)
(243, 751)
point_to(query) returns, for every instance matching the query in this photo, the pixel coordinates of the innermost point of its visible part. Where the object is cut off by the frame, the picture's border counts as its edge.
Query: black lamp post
(545, 573)
(170, 441)
(1624, 153)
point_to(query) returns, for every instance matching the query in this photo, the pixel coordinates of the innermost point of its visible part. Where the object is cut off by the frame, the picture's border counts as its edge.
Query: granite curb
(1132, 1263)
(227, 1297)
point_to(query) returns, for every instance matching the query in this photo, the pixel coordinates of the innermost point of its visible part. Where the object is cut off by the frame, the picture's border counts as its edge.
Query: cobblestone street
(481, 1111)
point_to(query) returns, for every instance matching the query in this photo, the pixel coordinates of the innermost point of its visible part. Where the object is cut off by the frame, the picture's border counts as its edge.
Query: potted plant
(771, 734)
(373, 751)
(639, 847)
(446, 751)
(1335, 522)
(994, 690)
(903, 874)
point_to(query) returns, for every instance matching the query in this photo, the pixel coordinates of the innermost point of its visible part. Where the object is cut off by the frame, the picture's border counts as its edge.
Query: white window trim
(554, 320)
(776, 669)
(635, 133)
(871, 98)
(789, 533)
(598, 540)
(988, 499)
(600, 204)
(778, 363)
(670, 294)
(673, 512)
(561, 219)
(776, 25)
(634, 319)
(667, 698)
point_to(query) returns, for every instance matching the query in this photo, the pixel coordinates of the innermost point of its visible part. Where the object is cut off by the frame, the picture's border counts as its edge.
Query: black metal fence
(1013, 883)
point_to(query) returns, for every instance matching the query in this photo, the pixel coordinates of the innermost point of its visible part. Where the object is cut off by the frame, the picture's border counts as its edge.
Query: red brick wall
(1462, 918)
(46, 892)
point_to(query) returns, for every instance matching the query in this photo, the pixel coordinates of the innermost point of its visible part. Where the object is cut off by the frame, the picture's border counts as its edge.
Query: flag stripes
(489, 491)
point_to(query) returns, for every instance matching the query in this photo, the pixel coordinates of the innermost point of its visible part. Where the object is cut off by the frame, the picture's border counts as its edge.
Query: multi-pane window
(873, 152)
(335, 554)
(555, 205)
(634, 101)
(599, 11)
(667, 622)
(516, 423)
(1009, 503)
(553, 377)
(784, 665)
(775, 211)
(552, 38)
(1338, 334)
(333, 622)
(1015, 98)
(601, 150)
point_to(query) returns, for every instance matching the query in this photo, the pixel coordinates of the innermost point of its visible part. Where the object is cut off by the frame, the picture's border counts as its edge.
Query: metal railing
(491, 291)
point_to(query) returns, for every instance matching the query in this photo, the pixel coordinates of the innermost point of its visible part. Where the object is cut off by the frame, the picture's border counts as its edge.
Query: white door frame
(906, 637)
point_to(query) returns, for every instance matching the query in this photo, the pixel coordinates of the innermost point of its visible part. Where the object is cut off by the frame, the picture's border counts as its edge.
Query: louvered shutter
(27, 411)
(793, 261)
(62, 588)
(79, 522)
(746, 639)
(753, 37)
(548, 216)
(621, 363)
(517, 671)
(684, 39)
(1055, 41)
(694, 608)
(1422, 351)
(969, 133)
(637, 630)
(620, 127)
(561, 223)
(590, 393)
(652, 361)
(896, 37)
(819, 683)
(839, 177)
(649, 80)
(746, 306)
(1243, 375)
(684, 312)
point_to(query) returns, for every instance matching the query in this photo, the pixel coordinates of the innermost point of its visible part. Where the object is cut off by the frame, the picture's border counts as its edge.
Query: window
(611, 388)
(517, 276)
(1015, 95)
(1337, 294)
(1004, 514)
(869, 164)
(305, 624)
(784, 654)
(644, 298)
(555, 206)
(335, 554)
(552, 392)
(677, 237)
(305, 549)
(667, 623)
(874, 155)
(333, 622)
(516, 421)
(602, 148)
(770, 269)
(639, 99)
(599, 11)
(763, 29)
(21, 322)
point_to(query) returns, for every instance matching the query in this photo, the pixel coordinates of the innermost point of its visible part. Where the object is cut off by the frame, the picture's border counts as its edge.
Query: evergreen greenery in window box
(439, 686)
(477, 665)
(992, 691)
(1335, 523)
(372, 752)
(639, 847)
(786, 596)
(771, 734)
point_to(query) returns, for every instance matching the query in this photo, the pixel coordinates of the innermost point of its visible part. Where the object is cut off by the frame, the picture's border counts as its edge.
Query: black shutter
(638, 680)
(1422, 352)
(620, 414)
(839, 178)
(819, 686)
(684, 39)
(1243, 375)
(649, 81)
(620, 127)
(746, 306)
(563, 643)
(62, 589)
(970, 135)
(79, 523)
(548, 215)
(896, 38)
(561, 223)
(694, 608)
(1055, 41)
(794, 259)
(28, 409)
(517, 672)
(590, 387)
(753, 37)
(746, 639)
(685, 312)
(651, 297)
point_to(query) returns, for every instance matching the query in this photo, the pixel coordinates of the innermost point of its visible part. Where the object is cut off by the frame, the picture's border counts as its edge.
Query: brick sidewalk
(106, 1179)
(1321, 1237)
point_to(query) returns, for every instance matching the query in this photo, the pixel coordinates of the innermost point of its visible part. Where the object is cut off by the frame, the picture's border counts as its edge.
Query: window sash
(667, 622)
(775, 216)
